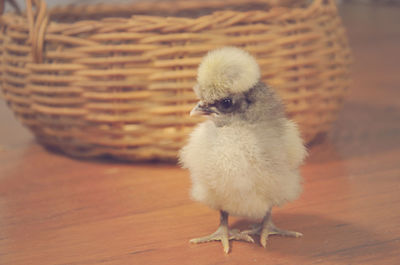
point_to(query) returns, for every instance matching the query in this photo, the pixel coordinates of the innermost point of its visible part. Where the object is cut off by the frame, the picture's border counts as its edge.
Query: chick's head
(228, 83)
(226, 71)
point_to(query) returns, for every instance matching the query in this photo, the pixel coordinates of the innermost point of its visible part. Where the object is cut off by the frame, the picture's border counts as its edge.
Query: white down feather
(244, 169)
(228, 70)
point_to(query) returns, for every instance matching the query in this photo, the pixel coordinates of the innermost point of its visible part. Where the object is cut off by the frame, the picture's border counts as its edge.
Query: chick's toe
(267, 228)
(235, 234)
(223, 234)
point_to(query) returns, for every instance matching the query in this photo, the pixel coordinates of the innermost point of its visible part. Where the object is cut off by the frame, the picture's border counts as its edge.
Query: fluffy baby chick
(245, 158)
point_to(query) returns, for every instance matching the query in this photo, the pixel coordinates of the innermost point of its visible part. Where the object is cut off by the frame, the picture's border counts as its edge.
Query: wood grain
(58, 210)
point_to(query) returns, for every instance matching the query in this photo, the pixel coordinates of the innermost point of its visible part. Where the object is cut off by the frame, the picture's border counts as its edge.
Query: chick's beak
(201, 109)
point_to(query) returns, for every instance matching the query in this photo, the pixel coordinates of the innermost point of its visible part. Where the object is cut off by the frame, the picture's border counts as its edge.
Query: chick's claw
(223, 234)
(281, 232)
(265, 230)
(236, 235)
(220, 235)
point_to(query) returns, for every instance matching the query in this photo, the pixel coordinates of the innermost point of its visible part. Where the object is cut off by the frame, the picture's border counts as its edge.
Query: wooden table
(58, 210)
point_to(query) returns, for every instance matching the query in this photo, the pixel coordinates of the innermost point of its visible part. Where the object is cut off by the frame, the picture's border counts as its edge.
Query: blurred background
(51, 3)
(370, 26)
(55, 209)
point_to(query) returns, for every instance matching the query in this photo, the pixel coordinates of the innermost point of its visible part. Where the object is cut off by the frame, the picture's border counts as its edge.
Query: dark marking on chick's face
(224, 105)
(257, 104)
(234, 104)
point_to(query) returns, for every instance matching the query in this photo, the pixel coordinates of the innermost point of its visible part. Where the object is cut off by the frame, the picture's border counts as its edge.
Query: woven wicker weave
(95, 80)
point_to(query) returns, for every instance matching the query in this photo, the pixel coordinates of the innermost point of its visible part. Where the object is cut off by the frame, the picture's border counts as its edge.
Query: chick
(244, 159)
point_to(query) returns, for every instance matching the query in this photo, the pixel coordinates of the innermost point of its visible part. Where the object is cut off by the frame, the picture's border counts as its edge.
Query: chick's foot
(223, 234)
(267, 228)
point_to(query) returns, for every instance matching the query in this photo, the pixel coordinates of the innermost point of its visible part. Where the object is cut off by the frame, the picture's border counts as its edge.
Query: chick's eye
(226, 103)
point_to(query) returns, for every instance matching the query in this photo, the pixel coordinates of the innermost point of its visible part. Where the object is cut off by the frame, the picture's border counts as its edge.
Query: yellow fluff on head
(225, 71)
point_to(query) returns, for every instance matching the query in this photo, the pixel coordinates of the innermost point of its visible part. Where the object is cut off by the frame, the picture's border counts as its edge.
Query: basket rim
(38, 21)
(160, 6)
(164, 6)
(33, 20)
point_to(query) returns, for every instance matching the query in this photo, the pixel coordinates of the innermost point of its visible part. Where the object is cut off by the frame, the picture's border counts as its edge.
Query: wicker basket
(95, 80)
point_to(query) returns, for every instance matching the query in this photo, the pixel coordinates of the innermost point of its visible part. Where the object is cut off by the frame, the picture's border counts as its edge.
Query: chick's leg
(223, 234)
(267, 228)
